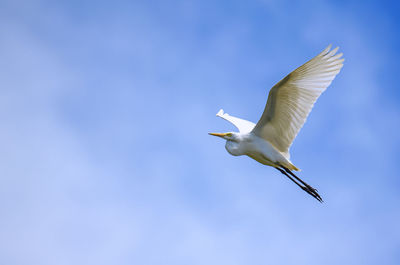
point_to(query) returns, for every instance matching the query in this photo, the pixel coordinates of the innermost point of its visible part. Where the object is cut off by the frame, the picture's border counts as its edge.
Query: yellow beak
(218, 134)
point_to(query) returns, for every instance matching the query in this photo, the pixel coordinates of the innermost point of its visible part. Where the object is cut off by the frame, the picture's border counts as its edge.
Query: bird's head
(227, 136)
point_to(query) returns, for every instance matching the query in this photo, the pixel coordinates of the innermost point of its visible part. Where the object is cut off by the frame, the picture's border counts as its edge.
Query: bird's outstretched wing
(242, 125)
(291, 100)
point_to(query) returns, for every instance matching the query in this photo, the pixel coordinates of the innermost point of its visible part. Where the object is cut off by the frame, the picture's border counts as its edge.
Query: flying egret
(288, 105)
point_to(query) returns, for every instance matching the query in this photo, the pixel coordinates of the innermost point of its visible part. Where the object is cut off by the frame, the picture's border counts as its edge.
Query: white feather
(242, 125)
(291, 100)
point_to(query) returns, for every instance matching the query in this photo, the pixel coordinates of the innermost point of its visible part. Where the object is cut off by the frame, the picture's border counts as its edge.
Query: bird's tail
(289, 165)
(293, 167)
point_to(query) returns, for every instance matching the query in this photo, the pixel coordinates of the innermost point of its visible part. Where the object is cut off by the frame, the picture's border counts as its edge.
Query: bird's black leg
(284, 173)
(299, 179)
(311, 189)
(305, 188)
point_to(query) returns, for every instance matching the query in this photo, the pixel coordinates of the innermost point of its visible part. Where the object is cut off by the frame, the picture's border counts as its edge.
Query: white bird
(288, 105)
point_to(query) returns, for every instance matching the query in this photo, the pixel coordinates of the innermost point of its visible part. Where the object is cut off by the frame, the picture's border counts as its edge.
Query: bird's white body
(257, 148)
(288, 105)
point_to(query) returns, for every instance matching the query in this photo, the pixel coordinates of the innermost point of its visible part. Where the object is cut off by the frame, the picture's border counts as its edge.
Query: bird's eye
(229, 134)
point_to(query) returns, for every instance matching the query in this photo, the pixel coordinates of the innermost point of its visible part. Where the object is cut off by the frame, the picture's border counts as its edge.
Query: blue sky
(105, 110)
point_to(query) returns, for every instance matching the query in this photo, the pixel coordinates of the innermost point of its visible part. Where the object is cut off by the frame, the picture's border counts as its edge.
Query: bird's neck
(233, 148)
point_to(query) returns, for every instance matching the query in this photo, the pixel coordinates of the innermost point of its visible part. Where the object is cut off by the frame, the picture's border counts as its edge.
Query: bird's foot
(311, 188)
(313, 192)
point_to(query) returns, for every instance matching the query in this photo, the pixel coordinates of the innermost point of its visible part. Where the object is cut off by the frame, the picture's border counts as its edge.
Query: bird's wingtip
(326, 50)
(220, 112)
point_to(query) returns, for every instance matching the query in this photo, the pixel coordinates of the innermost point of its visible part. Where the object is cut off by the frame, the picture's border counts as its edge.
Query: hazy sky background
(105, 108)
